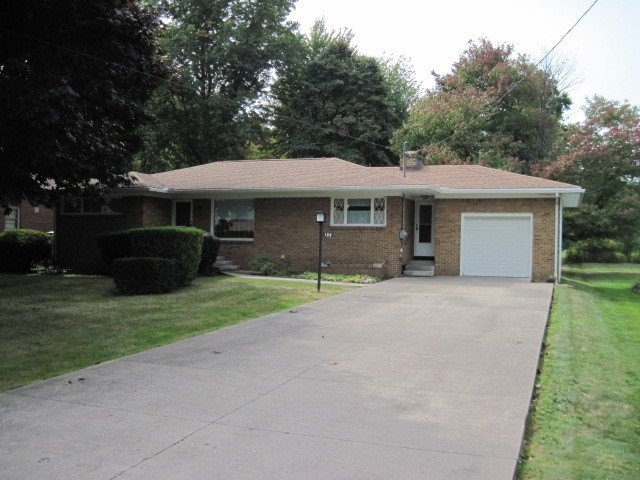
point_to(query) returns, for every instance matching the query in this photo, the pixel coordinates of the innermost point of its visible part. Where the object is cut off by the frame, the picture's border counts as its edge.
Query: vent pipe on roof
(404, 159)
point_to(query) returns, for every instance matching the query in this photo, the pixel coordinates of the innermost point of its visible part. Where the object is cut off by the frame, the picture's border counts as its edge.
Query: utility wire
(515, 85)
(299, 120)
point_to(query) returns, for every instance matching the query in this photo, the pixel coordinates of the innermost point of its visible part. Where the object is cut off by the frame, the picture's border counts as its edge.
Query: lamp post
(320, 219)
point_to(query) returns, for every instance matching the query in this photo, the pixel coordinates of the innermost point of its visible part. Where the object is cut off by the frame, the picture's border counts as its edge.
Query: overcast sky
(605, 46)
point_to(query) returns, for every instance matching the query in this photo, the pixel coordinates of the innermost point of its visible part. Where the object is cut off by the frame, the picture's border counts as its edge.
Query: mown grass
(50, 325)
(585, 422)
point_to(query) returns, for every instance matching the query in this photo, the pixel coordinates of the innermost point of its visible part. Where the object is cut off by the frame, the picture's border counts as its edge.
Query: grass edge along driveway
(585, 422)
(50, 325)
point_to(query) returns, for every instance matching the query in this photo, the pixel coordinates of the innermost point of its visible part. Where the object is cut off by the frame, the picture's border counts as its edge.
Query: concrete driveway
(409, 378)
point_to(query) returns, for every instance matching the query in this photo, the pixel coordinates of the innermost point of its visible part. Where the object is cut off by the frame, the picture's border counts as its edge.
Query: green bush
(21, 250)
(338, 277)
(210, 248)
(144, 275)
(184, 244)
(597, 250)
(634, 257)
(265, 265)
(114, 245)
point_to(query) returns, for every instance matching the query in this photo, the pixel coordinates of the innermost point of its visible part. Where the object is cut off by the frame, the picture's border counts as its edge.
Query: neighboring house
(25, 215)
(462, 219)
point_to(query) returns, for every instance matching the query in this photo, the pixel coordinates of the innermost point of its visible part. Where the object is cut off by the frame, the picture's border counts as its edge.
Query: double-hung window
(359, 212)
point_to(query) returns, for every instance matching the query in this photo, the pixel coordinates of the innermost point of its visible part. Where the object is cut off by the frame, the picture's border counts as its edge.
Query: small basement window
(359, 212)
(91, 206)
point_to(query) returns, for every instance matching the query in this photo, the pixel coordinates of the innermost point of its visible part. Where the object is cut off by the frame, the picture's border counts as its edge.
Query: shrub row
(21, 250)
(137, 257)
(600, 250)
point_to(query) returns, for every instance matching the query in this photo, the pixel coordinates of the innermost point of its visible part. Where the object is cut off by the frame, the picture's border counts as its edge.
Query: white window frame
(17, 210)
(82, 212)
(371, 225)
(231, 239)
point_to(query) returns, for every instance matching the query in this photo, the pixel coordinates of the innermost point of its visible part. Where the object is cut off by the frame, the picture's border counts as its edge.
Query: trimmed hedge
(184, 244)
(210, 248)
(597, 250)
(21, 250)
(114, 245)
(144, 275)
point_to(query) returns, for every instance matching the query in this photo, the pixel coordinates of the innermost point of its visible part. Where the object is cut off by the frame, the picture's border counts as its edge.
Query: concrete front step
(221, 263)
(227, 268)
(419, 273)
(420, 268)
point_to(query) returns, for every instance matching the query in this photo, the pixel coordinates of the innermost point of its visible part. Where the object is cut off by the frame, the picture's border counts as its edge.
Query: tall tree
(602, 154)
(331, 101)
(72, 90)
(223, 54)
(494, 107)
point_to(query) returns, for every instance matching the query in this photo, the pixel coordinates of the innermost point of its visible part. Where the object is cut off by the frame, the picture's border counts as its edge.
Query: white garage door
(496, 245)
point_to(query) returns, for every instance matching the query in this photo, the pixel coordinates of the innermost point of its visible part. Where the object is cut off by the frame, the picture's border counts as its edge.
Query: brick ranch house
(454, 219)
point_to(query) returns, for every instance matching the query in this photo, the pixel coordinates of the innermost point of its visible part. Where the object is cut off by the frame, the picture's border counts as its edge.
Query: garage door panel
(496, 246)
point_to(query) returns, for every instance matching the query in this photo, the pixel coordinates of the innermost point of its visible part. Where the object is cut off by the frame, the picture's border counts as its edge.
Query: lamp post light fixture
(320, 219)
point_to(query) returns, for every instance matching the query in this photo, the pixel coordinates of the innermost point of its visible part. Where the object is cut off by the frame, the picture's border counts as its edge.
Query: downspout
(555, 238)
(560, 240)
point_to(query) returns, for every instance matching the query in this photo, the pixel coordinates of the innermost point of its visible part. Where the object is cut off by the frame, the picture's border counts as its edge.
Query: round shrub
(265, 265)
(21, 250)
(143, 275)
(210, 248)
(114, 245)
(184, 244)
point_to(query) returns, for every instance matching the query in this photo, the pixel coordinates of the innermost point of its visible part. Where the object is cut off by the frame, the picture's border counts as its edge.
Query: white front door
(423, 234)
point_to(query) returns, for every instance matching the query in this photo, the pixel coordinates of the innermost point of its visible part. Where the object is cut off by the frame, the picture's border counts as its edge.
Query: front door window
(424, 245)
(424, 230)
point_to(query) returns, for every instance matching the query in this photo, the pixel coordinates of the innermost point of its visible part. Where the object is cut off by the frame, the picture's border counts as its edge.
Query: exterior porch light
(320, 216)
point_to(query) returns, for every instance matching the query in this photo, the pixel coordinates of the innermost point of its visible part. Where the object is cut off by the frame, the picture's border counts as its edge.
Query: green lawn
(586, 419)
(53, 324)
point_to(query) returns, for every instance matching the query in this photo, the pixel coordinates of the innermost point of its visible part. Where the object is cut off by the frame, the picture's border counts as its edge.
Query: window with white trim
(363, 212)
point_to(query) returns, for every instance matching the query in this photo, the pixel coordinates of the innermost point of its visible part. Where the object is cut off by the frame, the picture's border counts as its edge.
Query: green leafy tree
(494, 107)
(223, 54)
(72, 90)
(331, 101)
(602, 155)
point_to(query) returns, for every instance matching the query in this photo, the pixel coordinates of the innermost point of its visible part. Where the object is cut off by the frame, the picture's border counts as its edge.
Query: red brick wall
(447, 224)
(34, 217)
(76, 235)
(287, 227)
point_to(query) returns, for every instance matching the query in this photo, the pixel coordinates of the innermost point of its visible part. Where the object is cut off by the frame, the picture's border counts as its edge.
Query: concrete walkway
(409, 378)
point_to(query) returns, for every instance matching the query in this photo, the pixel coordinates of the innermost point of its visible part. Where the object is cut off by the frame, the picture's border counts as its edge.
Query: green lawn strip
(586, 419)
(50, 325)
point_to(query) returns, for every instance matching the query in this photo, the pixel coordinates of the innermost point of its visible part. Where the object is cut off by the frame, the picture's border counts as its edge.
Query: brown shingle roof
(470, 177)
(327, 173)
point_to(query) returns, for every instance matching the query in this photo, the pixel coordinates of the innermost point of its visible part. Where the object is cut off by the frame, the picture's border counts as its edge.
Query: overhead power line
(524, 77)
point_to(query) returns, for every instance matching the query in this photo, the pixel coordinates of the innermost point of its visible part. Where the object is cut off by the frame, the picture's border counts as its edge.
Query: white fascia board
(348, 191)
